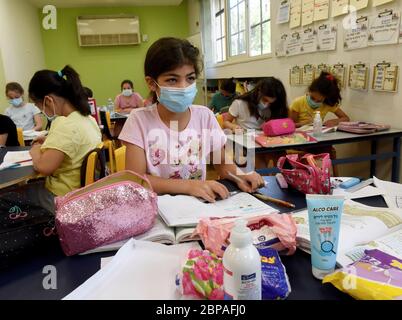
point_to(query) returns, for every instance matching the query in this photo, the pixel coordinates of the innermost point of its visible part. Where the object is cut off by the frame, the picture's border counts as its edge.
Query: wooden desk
(9, 177)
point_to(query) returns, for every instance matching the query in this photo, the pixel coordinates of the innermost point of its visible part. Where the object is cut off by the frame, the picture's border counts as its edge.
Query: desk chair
(120, 156)
(221, 118)
(20, 135)
(94, 166)
(108, 138)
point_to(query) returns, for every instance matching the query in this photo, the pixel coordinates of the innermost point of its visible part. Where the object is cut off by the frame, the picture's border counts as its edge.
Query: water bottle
(242, 265)
(317, 124)
(110, 105)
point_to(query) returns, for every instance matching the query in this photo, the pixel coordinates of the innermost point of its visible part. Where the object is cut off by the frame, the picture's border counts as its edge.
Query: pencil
(274, 200)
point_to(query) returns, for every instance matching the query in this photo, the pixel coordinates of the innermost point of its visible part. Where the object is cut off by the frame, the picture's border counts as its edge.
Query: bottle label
(241, 286)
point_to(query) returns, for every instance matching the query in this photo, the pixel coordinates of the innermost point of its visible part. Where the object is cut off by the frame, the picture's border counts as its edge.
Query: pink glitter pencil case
(114, 208)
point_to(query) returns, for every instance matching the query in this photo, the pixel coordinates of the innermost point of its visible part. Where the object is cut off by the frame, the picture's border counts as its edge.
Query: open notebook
(159, 233)
(180, 210)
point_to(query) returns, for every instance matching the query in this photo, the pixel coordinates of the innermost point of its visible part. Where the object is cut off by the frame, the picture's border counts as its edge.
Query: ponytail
(65, 83)
(328, 86)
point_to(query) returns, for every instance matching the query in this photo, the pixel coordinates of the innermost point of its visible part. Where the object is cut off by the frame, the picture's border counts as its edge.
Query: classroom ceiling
(104, 3)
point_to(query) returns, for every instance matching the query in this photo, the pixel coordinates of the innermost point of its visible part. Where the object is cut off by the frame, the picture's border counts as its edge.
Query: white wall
(370, 106)
(20, 43)
(194, 14)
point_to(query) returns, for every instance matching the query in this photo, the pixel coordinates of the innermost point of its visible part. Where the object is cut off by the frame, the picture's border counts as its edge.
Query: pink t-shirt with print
(123, 103)
(171, 154)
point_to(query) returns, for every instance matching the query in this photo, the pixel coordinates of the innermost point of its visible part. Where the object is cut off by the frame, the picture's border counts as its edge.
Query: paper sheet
(295, 76)
(294, 44)
(308, 74)
(295, 13)
(327, 37)
(339, 7)
(358, 4)
(281, 45)
(139, 271)
(357, 37)
(309, 41)
(380, 2)
(358, 76)
(321, 10)
(339, 71)
(22, 158)
(384, 28)
(385, 77)
(392, 192)
(307, 12)
(283, 12)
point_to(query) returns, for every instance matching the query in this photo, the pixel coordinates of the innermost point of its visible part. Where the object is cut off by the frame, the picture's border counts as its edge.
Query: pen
(22, 161)
(274, 200)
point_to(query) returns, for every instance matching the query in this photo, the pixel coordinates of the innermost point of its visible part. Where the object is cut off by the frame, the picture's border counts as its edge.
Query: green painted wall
(103, 68)
(3, 100)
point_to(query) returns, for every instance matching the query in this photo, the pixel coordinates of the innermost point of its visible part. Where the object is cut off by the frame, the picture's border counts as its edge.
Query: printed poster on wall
(357, 36)
(358, 76)
(294, 44)
(339, 7)
(321, 10)
(358, 4)
(377, 3)
(281, 45)
(326, 37)
(309, 41)
(385, 77)
(320, 68)
(384, 28)
(308, 74)
(295, 76)
(339, 71)
(295, 13)
(283, 12)
(307, 12)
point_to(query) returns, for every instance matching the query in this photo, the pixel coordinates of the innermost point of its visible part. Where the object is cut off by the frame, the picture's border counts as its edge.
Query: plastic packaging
(324, 215)
(242, 265)
(376, 276)
(110, 105)
(317, 124)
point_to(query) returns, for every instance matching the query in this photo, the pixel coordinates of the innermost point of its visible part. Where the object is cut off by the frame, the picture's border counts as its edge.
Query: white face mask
(127, 92)
(49, 118)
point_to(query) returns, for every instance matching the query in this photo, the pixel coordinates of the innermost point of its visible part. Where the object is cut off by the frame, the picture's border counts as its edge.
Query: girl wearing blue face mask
(127, 100)
(25, 115)
(266, 101)
(171, 140)
(324, 96)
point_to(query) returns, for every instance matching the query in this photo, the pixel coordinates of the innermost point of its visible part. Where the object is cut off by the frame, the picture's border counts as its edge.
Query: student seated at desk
(8, 132)
(266, 101)
(73, 134)
(225, 96)
(171, 140)
(127, 100)
(323, 95)
(25, 115)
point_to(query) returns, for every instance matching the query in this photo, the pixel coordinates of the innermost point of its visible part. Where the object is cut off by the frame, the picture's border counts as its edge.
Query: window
(260, 27)
(248, 25)
(220, 30)
(237, 27)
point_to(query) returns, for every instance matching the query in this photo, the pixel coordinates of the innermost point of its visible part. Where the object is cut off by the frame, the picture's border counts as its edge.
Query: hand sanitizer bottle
(242, 265)
(317, 124)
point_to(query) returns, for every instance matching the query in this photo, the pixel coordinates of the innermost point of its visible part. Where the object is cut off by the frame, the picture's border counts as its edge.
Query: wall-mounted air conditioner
(111, 30)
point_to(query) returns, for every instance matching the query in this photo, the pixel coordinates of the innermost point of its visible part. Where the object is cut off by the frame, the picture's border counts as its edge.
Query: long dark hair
(269, 87)
(168, 54)
(328, 86)
(65, 83)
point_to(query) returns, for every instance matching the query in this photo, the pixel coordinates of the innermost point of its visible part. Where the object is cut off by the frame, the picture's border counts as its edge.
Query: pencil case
(278, 127)
(112, 209)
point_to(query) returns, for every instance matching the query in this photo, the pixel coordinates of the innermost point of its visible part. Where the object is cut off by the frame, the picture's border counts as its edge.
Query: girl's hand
(237, 129)
(207, 190)
(35, 150)
(331, 123)
(38, 140)
(251, 182)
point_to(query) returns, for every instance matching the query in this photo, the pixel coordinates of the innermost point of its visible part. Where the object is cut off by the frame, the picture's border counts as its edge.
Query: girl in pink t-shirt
(127, 100)
(172, 140)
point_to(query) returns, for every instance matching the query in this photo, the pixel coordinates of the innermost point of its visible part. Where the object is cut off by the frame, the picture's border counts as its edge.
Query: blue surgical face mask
(16, 102)
(127, 92)
(312, 103)
(262, 106)
(177, 99)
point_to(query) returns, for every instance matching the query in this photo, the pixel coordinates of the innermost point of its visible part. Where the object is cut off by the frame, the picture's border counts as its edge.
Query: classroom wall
(103, 68)
(20, 44)
(367, 106)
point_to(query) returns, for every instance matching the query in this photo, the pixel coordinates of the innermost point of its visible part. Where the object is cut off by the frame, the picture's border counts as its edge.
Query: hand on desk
(208, 190)
(250, 182)
(331, 123)
(38, 140)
